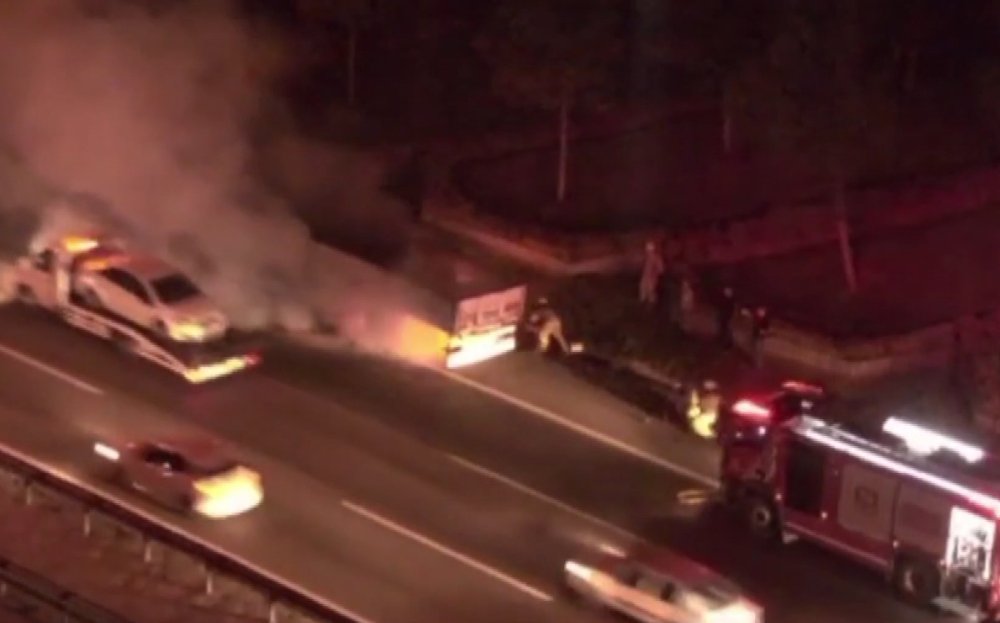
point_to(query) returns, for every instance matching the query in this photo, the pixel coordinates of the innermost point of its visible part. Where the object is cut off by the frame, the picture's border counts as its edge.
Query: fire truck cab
(921, 508)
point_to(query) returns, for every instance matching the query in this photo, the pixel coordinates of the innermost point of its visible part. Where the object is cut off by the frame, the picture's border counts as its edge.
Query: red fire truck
(921, 508)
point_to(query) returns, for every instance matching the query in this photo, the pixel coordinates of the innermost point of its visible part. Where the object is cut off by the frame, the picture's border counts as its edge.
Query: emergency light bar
(751, 409)
(925, 441)
(811, 428)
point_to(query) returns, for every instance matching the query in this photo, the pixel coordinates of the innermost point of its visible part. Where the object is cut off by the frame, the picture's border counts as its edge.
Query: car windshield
(174, 289)
(211, 467)
(718, 593)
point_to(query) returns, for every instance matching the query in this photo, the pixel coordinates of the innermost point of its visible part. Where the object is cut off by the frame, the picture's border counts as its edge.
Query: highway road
(400, 494)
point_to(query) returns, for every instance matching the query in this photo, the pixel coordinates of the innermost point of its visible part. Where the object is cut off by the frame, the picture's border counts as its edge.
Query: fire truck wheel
(762, 518)
(917, 580)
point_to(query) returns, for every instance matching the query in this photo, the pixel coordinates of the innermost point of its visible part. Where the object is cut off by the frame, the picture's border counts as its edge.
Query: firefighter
(653, 268)
(703, 409)
(724, 313)
(760, 325)
(546, 325)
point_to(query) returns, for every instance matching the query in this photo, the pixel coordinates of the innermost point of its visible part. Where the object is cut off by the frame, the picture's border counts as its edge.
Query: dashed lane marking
(484, 568)
(62, 375)
(514, 484)
(580, 429)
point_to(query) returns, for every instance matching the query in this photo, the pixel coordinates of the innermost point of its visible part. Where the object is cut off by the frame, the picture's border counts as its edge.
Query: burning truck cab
(917, 505)
(440, 307)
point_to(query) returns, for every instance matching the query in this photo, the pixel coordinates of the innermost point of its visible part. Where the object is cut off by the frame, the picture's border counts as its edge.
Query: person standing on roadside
(760, 326)
(724, 313)
(653, 268)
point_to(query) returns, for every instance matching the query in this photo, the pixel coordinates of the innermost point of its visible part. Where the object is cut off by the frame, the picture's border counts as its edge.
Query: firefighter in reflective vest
(546, 324)
(703, 409)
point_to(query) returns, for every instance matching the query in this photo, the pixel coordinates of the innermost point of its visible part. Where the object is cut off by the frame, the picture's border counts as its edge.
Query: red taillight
(752, 410)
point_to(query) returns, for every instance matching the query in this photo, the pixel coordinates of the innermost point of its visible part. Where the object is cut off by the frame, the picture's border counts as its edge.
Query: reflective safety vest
(703, 412)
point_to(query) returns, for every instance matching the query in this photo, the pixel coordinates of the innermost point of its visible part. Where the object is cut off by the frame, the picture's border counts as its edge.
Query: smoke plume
(142, 120)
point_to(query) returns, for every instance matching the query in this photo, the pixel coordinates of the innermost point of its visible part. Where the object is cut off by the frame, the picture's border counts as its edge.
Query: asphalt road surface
(400, 494)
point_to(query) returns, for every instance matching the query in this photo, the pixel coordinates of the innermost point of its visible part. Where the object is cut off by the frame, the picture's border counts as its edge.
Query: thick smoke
(143, 121)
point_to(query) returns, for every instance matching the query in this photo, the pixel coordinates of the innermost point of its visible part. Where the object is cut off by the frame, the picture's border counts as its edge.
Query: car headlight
(583, 572)
(735, 613)
(187, 328)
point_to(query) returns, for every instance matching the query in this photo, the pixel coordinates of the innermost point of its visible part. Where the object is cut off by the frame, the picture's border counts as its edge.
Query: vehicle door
(657, 599)
(161, 473)
(131, 299)
(38, 273)
(624, 596)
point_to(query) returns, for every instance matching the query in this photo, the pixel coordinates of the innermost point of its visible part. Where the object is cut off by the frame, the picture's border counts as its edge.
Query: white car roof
(144, 267)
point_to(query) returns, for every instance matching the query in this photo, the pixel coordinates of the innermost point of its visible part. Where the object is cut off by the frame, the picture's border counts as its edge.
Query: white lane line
(510, 482)
(172, 526)
(52, 371)
(494, 573)
(576, 427)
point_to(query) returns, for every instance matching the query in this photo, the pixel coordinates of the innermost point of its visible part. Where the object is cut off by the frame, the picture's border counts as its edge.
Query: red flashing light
(802, 386)
(752, 410)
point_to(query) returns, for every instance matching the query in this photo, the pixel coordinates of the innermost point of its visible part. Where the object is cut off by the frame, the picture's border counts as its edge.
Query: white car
(151, 294)
(657, 586)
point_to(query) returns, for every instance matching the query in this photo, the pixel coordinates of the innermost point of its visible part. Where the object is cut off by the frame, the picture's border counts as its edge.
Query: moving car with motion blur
(657, 586)
(189, 475)
(153, 295)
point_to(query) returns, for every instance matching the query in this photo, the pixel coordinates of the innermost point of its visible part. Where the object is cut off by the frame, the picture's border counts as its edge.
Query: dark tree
(553, 55)
(988, 78)
(714, 40)
(823, 90)
(351, 15)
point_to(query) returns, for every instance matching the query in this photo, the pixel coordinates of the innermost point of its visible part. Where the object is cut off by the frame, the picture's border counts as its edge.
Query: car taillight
(752, 410)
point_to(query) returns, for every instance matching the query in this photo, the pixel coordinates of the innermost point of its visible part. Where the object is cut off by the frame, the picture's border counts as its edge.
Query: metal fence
(280, 601)
(26, 593)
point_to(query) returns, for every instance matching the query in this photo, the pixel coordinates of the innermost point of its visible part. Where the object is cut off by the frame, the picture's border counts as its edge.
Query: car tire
(185, 503)
(91, 298)
(112, 473)
(586, 600)
(26, 295)
(123, 343)
(917, 581)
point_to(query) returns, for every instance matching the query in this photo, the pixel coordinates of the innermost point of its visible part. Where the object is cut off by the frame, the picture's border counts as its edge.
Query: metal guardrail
(22, 590)
(281, 596)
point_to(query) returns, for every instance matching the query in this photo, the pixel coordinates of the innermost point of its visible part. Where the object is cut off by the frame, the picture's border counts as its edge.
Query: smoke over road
(156, 119)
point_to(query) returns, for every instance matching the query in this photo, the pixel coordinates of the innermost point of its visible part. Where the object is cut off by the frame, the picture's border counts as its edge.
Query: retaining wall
(850, 361)
(777, 231)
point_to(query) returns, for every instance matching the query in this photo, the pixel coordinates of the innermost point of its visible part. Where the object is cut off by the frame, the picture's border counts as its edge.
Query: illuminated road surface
(404, 496)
